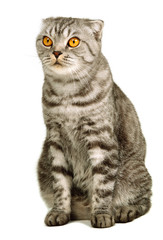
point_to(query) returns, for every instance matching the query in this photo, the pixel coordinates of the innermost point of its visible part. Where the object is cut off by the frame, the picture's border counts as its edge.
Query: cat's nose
(57, 53)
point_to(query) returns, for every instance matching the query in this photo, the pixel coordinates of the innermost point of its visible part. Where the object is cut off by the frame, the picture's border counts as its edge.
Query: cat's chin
(60, 70)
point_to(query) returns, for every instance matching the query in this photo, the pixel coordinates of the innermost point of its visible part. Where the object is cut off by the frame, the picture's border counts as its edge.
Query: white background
(133, 45)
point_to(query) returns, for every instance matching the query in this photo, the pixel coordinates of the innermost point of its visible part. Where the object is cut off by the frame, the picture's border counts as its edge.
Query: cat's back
(123, 105)
(127, 125)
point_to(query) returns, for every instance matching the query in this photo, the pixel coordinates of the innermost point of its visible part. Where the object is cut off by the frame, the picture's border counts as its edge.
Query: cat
(92, 162)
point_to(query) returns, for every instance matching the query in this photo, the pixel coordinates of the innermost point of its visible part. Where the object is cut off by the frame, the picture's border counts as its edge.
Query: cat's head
(68, 45)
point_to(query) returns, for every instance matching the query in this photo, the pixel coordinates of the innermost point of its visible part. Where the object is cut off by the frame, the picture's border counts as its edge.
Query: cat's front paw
(102, 220)
(54, 218)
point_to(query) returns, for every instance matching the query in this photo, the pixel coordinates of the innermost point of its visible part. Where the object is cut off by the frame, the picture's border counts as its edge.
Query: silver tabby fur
(92, 162)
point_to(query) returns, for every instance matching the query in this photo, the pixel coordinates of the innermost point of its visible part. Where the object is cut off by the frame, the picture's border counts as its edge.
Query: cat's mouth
(57, 63)
(54, 61)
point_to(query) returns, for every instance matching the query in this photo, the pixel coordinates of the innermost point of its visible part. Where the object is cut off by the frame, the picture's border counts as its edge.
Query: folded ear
(97, 26)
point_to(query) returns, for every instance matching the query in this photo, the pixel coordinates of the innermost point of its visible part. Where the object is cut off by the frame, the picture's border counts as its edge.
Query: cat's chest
(65, 115)
(75, 151)
(74, 147)
(67, 118)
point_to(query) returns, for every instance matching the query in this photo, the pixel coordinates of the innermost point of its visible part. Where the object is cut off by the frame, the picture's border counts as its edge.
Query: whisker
(46, 62)
(46, 58)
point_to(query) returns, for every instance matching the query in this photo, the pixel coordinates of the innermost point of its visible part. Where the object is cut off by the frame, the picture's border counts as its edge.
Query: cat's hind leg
(132, 192)
(130, 212)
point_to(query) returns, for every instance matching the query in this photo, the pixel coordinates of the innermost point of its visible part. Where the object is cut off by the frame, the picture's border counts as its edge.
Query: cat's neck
(83, 82)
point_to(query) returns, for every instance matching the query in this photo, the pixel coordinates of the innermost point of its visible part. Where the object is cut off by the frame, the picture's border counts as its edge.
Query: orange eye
(73, 42)
(47, 41)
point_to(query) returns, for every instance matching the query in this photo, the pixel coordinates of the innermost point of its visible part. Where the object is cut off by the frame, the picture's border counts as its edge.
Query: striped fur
(92, 162)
